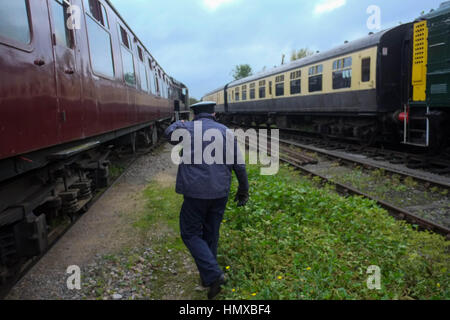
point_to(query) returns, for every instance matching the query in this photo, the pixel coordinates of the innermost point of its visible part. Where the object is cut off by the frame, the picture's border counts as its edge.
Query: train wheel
(145, 139)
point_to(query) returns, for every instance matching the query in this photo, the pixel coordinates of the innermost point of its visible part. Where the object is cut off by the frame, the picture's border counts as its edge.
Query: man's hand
(241, 198)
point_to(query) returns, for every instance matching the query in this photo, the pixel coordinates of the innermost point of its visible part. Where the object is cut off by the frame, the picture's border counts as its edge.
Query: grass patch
(158, 226)
(297, 241)
(115, 170)
(294, 240)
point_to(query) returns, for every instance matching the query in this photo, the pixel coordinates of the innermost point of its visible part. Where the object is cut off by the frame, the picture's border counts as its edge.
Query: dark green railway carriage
(429, 108)
(438, 76)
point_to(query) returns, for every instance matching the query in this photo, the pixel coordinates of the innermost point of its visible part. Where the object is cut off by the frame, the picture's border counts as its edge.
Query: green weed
(297, 241)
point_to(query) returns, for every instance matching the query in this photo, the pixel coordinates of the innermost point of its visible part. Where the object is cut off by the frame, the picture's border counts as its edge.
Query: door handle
(69, 71)
(39, 62)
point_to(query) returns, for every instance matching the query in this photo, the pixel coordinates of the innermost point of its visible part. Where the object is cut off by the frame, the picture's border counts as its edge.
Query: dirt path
(119, 245)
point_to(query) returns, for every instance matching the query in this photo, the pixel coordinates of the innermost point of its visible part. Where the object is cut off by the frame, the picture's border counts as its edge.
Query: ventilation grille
(420, 59)
(420, 42)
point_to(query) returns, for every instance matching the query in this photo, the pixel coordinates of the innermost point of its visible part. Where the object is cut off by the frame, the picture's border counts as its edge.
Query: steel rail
(403, 157)
(441, 184)
(413, 160)
(367, 163)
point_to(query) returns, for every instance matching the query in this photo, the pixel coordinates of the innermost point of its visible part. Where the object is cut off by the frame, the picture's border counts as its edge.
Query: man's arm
(241, 174)
(239, 168)
(170, 130)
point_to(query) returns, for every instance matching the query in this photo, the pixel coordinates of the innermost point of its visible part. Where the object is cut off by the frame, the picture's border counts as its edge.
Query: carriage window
(143, 75)
(167, 89)
(105, 17)
(365, 70)
(279, 89)
(129, 72)
(163, 88)
(236, 95)
(315, 83)
(315, 78)
(262, 92)
(279, 86)
(141, 55)
(296, 82)
(316, 70)
(97, 10)
(151, 80)
(128, 67)
(244, 93)
(262, 89)
(342, 73)
(14, 20)
(296, 86)
(59, 13)
(165, 93)
(100, 48)
(124, 38)
(347, 62)
(157, 84)
(252, 91)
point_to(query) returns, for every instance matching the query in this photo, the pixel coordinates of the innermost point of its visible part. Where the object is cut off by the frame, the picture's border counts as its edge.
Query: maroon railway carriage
(73, 77)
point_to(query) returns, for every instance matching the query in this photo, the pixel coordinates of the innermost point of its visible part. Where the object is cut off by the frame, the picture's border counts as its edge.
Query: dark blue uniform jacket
(204, 181)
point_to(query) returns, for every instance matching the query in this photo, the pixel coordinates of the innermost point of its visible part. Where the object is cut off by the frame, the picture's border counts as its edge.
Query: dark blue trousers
(199, 225)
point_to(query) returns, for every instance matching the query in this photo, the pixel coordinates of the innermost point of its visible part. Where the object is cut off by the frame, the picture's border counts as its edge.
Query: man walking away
(206, 190)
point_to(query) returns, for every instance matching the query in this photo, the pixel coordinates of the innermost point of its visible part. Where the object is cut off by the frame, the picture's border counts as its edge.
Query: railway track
(59, 231)
(438, 164)
(393, 162)
(369, 163)
(433, 164)
(300, 159)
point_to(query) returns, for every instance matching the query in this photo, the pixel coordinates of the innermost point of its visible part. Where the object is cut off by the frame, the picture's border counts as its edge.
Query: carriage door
(67, 76)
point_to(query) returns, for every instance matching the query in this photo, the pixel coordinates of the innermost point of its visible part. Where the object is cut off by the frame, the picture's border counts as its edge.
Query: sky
(199, 42)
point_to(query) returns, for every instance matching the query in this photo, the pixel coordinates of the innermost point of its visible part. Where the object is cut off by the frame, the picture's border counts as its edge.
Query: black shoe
(215, 288)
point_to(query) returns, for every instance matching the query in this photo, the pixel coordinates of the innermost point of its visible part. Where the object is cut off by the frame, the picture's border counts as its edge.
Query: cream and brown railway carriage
(353, 91)
(392, 86)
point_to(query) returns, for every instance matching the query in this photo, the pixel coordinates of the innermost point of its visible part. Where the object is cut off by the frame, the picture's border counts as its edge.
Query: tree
(302, 53)
(192, 101)
(242, 71)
